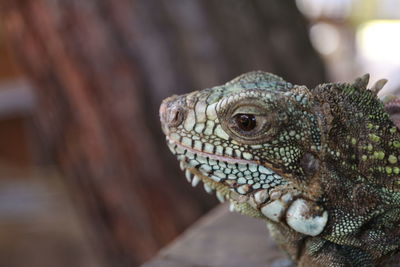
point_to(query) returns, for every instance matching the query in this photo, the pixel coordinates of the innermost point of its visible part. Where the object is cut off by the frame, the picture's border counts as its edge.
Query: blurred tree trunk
(101, 68)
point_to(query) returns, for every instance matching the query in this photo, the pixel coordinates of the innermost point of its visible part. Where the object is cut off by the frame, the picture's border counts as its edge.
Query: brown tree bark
(101, 68)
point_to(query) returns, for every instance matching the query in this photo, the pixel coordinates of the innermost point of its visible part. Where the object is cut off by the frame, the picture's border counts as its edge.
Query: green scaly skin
(320, 165)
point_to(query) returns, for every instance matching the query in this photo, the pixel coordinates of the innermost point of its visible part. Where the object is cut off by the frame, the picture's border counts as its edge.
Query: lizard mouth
(244, 183)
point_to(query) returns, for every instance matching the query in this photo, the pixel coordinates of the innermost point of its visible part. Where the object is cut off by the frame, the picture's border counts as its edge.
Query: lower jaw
(221, 189)
(238, 202)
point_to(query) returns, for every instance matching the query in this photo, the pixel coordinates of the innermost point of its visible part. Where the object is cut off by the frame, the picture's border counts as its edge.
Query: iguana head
(245, 138)
(320, 162)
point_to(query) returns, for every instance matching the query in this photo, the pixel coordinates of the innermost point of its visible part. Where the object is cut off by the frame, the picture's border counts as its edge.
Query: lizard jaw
(280, 202)
(276, 207)
(244, 204)
(244, 198)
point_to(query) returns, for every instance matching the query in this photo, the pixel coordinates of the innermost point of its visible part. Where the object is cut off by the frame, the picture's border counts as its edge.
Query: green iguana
(321, 166)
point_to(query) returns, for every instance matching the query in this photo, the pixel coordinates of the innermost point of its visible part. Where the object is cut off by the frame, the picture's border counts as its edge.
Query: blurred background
(85, 176)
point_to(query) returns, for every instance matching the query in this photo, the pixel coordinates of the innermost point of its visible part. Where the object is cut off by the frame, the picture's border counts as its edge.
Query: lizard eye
(250, 121)
(245, 122)
(250, 124)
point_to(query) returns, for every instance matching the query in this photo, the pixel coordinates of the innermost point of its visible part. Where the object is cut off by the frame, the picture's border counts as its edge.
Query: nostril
(172, 112)
(175, 116)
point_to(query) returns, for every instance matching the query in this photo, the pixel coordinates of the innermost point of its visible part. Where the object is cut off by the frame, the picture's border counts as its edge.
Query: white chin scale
(301, 215)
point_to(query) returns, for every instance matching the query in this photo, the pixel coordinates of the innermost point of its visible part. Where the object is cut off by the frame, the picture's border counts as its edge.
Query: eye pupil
(245, 122)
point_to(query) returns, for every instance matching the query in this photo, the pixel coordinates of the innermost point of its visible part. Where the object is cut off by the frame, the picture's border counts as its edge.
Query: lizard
(321, 166)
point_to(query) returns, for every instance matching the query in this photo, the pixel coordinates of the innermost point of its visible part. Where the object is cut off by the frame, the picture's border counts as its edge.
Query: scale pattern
(321, 166)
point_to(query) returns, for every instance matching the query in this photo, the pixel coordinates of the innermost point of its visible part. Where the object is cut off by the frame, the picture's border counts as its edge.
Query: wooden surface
(222, 238)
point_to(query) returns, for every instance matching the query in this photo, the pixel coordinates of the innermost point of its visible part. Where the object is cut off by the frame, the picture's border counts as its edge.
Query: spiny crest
(355, 97)
(366, 98)
(362, 83)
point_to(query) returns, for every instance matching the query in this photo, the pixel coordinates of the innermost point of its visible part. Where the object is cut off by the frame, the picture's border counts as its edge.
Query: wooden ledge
(222, 238)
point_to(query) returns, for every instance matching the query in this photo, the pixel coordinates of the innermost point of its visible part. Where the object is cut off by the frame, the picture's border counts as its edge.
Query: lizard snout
(172, 114)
